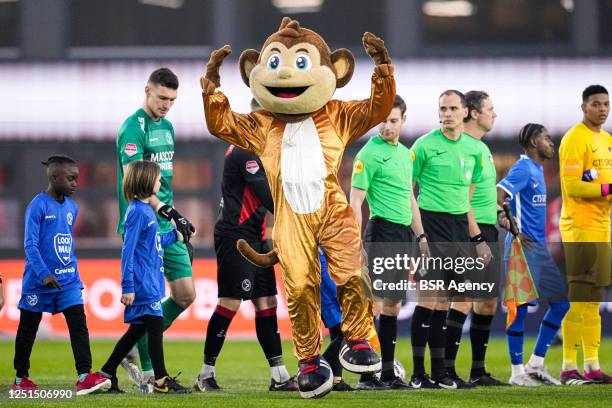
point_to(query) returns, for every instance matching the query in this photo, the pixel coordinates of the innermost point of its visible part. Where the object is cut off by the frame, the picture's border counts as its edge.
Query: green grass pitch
(243, 373)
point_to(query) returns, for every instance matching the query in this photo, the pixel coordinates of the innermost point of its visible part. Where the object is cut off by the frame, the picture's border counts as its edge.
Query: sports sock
(154, 325)
(549, 327)
(387, 333)
(24, 341)
(480, 330)
(266, 327)
(419, 331)
(454, 327)
(436, 341)
(571, 327)
(215, 333)
(333, 350)
(591, 336)
(171, 310)
(515, 336)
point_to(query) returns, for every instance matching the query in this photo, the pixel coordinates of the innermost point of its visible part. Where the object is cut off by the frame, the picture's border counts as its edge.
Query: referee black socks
(419, 331)
(436, 341)
(454, 327)
(387, 334)
(480, 329)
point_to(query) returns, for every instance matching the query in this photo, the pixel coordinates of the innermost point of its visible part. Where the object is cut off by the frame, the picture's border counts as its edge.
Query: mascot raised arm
(300, 136)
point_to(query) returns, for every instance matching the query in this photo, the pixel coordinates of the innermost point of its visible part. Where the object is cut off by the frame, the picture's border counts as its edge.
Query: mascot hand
(212, 80)
(375, 48)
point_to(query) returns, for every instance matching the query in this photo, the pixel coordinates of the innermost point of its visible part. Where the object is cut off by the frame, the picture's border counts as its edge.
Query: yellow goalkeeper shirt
(583, 206)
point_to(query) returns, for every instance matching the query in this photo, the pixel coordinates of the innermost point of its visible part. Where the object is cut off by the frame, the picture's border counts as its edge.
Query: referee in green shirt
(382, 174)
(480, 120)
(447, 163)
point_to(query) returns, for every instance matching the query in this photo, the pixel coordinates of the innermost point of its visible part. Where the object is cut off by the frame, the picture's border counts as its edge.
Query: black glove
(50, 282)
(189, 251)
(182, 224)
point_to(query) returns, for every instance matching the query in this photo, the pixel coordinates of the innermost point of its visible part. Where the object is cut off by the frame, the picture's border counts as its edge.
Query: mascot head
(295, 73)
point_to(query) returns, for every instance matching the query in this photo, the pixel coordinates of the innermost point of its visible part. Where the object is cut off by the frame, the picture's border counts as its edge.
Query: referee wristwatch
(421, 237)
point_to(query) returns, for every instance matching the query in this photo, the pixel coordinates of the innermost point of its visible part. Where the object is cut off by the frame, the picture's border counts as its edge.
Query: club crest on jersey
(252, 166)
(69, 218)
(63, 247)
(169, 138)
(130, 149)
(142, 123)
(31, 300)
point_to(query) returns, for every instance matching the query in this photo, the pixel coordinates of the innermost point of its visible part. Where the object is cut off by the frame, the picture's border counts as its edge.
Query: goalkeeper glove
(182, 224)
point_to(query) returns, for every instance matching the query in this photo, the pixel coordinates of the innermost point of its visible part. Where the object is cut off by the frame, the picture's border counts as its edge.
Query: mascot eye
(302, 62)
(273, 61)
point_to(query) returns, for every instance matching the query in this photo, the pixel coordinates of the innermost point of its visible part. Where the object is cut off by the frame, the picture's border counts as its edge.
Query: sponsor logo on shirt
(252, 166)
(130, 149)
(539, 199)
(69, 218)
(49, 217)
(63, 247)
(358, 166)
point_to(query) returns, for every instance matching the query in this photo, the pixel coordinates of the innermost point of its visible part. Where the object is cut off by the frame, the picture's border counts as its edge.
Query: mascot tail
(266, 260)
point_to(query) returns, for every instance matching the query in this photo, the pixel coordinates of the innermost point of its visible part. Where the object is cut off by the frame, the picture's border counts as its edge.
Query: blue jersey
(527, 189)
(142, 256)
(48, 245)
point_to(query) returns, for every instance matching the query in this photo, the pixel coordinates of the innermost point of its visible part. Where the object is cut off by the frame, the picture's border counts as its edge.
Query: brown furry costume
(300, 137)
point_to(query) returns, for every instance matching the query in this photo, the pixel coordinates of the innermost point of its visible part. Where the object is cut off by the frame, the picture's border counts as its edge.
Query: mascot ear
(248, 60)
(344, 65)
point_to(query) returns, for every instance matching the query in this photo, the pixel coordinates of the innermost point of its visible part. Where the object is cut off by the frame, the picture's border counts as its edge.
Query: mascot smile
(300, 136)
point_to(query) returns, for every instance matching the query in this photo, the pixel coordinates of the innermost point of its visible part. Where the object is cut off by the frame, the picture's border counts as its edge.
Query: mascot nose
(284, 73)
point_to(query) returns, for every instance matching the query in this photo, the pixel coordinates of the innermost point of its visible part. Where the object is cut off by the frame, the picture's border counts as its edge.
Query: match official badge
(63, 247)
(69, 218)
(358, 166)
(130, 149)
(32, 300)
(252, 166)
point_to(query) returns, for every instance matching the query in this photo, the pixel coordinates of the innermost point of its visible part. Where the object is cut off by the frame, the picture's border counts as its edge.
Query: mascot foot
(315, 379)
(358, 357)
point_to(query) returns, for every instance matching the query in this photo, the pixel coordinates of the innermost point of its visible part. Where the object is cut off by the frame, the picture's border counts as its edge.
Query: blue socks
(515, 336)
(549, 327)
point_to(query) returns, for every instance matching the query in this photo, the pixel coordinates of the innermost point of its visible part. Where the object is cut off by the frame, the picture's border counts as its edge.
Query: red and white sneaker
(598, 377)
(25, 385)
(92, 383)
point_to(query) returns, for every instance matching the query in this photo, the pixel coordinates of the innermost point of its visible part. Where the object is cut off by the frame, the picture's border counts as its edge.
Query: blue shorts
(330, 309)
(134, 313)
(51, 302)
(546, 275)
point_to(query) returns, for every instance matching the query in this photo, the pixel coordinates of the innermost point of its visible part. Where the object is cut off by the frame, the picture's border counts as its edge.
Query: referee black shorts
(237, 278)
(385, 239)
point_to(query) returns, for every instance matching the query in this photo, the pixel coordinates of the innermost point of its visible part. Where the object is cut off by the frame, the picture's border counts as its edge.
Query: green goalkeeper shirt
(142, 138)
(445, 169)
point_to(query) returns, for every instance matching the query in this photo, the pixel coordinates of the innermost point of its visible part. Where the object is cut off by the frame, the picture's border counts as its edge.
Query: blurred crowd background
(72, 70)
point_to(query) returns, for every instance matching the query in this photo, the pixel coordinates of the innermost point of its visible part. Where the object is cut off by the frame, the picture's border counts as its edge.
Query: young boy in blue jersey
(525, 188)
(142, 276)
(51, 281)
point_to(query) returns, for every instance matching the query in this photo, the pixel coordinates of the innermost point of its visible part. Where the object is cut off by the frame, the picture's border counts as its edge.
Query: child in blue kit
(142, 276)
(51, 281)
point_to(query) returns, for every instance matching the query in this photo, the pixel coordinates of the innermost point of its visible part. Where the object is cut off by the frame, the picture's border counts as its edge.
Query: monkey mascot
(300, 137)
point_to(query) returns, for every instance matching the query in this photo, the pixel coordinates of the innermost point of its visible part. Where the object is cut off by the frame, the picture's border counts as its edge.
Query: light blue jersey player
(525, 188)
(51, 281)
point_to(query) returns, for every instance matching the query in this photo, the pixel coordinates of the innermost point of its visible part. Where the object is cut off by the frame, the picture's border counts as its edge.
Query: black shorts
(448, 239)
(237, 278)
(378, 233)
(494, 271)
